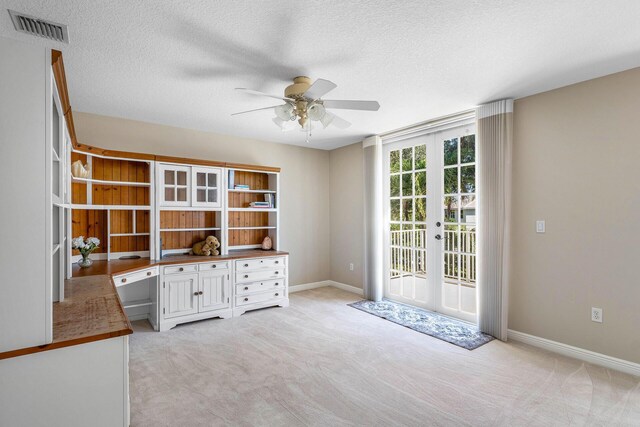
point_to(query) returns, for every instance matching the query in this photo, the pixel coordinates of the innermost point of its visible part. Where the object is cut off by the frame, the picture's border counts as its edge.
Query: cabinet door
(180, 295)
(206, 187)
(175, 188)
(214, 286)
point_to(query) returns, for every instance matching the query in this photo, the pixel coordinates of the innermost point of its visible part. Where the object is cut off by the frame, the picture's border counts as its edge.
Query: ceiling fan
(303, 102)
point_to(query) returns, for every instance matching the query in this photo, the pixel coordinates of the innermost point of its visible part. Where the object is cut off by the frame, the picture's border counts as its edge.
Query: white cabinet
(180, 295)
(194, 292)
(175, 185)
(260, 282)
(206, 187)
(190, 186)
(214, 291)
(26, 171)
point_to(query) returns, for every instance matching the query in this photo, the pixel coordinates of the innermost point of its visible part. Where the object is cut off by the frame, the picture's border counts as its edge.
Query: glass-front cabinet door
(206, 187)
(175, 185)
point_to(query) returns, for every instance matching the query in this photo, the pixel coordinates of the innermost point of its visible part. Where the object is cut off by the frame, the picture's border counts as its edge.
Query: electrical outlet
(351, 267)
(596, 314)
(540, 226)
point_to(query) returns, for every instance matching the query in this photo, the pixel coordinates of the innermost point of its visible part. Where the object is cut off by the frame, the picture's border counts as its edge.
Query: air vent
(39, 27)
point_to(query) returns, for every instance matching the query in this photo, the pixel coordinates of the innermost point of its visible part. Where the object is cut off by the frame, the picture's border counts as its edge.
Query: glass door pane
(406, 190)
(458, 289)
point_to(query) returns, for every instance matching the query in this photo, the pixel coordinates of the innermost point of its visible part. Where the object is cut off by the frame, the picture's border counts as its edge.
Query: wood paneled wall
(120, 170)
(78, 190)
(90, 223)
(247, 237)
(187, 219)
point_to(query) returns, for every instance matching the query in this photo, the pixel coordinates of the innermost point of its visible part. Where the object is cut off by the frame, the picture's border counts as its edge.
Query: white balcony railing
(409, 255)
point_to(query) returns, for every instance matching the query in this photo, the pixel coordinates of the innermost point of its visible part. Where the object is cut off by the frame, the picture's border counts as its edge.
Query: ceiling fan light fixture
(316, 112)
(285, 112)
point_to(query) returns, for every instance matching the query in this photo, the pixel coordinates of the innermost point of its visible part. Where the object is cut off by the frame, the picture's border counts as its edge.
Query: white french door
(430, 221)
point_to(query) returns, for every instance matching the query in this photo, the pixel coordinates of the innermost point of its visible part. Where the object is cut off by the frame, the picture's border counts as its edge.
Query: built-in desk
(91, 311)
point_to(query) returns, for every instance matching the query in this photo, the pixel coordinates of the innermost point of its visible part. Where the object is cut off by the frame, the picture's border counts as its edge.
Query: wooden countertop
(115, 267)
(91, 311)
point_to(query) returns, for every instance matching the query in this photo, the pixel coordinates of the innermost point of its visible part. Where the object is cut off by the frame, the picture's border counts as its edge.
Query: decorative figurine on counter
(267, 244)
(208, 247)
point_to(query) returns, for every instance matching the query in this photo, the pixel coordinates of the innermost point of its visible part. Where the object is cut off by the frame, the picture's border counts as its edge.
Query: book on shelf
(231, 178)
(241, 187)
(270, 198)
(259, 205)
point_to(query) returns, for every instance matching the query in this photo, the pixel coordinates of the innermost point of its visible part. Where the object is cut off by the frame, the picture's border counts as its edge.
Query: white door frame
(433, 139)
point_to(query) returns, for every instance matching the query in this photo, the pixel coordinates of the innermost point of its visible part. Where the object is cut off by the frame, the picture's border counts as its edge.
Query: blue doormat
(427, 322)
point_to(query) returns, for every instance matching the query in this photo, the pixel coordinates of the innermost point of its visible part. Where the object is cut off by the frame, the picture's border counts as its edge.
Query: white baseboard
(324, 283)
(577, 353)
(307, 286)
(346, 287)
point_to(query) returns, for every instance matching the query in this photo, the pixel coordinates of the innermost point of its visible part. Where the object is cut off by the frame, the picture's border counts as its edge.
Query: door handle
(438, 237)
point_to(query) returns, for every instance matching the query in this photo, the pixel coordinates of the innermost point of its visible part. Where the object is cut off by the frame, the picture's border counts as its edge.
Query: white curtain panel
(495, 140)
(373, 260)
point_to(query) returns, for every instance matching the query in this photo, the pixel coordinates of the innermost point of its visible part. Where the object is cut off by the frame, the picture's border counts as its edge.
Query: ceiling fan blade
(319, 88)
(257, 109)
(351, 105)
(337, 121)
(255, 92)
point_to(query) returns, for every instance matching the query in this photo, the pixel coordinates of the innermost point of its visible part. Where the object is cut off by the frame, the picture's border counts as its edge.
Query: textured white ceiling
(177, 62)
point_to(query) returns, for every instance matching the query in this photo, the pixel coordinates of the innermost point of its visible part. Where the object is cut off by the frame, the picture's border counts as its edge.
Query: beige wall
(576, 153)
(304, 181)
(347, 214)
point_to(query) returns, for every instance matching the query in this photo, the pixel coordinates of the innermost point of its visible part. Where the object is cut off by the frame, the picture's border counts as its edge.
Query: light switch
(540, 227)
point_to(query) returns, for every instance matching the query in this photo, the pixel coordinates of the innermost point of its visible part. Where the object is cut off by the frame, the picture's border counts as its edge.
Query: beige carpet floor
(322, 363)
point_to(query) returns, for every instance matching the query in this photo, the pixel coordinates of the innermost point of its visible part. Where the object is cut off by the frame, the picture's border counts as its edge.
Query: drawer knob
(124, 280)
(213, 266)
(277, 294)
(246, 265)
(246, 299)
(276, 272)
(181, 269)
(261, 261)
(246, 288)
(148, 273)
(277, 262)
(246, 276)
(277, 283)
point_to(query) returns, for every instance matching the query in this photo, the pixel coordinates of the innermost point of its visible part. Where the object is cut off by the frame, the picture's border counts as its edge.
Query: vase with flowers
(85, 247)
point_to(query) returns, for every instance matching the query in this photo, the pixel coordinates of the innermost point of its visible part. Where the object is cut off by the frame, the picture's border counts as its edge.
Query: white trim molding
(577, 353)
(323, 284)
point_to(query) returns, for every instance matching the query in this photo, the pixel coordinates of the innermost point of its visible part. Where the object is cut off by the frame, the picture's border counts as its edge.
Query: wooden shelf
(128, 234)
(252, 191)
(105, 182)
(253, 210)
(266, 227)
(137, 303)
(112, 207)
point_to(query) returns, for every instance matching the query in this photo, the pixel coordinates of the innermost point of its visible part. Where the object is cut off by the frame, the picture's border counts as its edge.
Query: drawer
(262, 297)
(213, 266)
(260, 263)
(252, 288)
(176, 269)
(255, 276)
(125, 279)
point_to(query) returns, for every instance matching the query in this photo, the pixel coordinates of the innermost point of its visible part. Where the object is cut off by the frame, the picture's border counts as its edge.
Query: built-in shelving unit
(247, 226)
(114, 204)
